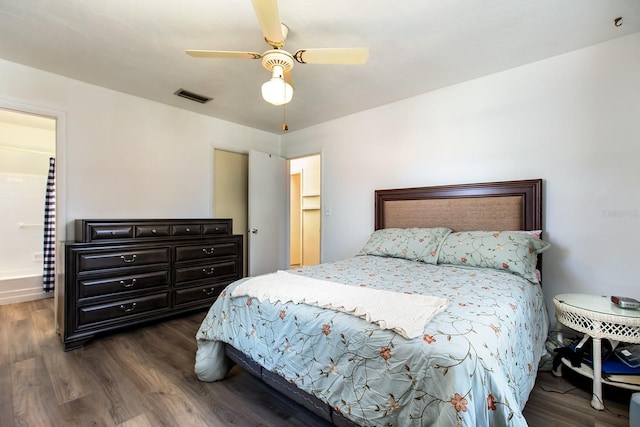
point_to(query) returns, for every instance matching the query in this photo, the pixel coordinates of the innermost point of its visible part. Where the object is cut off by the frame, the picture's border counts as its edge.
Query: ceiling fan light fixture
(276, 91)
(279, 89)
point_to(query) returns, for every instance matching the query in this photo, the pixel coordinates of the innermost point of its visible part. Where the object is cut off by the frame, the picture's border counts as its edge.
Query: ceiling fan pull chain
(284, 118)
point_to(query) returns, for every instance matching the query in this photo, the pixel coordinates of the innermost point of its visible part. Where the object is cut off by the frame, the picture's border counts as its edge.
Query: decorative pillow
(537, 234)
(512, 251)
(417, 244)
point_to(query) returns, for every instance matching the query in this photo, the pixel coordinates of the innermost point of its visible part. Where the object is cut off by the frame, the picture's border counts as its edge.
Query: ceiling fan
(279, 89)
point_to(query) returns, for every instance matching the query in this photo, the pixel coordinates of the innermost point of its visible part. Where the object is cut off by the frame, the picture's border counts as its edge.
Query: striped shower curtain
(49, 273)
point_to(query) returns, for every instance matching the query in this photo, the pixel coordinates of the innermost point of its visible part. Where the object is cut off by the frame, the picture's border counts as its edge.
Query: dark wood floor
(144, 377)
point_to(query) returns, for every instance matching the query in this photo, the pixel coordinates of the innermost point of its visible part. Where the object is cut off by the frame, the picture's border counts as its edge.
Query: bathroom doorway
(27, 145)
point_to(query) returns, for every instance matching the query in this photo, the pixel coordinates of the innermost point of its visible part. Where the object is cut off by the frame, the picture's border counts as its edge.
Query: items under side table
(597, 317)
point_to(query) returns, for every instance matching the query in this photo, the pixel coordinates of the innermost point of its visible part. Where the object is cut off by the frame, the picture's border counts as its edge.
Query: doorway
(230, 193)
(231, 200)
(305, 210)
(27, 145)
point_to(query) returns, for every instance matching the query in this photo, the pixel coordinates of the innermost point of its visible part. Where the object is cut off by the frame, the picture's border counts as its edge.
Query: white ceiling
(137, 47)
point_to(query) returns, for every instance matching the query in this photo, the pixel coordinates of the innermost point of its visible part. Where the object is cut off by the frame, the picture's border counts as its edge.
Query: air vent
(192, 96)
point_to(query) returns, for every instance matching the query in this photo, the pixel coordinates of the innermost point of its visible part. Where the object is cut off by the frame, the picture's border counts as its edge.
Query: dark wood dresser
(121, 273)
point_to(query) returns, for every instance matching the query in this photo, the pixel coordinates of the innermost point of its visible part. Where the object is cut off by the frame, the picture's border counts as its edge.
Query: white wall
(127, 157)
(572, 120)
(309, 167)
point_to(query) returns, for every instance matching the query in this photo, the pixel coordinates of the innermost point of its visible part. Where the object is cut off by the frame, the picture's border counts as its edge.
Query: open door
(268, 234)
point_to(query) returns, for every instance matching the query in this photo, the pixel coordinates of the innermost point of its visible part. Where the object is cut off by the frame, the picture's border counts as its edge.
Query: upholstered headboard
(507, 205)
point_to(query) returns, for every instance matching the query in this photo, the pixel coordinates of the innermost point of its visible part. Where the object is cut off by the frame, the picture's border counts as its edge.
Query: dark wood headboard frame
(529, 191)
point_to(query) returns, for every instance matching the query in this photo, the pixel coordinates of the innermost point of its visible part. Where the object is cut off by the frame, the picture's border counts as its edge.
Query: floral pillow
(512, 251)
(417, 244)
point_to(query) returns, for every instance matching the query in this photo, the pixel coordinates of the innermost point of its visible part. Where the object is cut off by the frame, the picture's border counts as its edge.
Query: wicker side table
(597, 317)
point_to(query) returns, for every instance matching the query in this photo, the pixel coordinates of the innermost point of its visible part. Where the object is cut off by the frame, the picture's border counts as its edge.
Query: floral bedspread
(475, 364)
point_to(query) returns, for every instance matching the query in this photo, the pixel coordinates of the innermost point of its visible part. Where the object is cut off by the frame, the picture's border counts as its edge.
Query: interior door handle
(253, 230)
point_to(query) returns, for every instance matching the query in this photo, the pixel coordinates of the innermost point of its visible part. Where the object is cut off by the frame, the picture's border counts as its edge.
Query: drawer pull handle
(209, 291)
(188, 230)
(154, 231)
(128, 309)
(209, 251)
(209, 271)
(217, 229)
(128, 285)
(113, 233)
(128, 260)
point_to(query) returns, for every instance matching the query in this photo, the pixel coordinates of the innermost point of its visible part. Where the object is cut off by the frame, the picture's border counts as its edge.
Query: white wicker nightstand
(597, 317)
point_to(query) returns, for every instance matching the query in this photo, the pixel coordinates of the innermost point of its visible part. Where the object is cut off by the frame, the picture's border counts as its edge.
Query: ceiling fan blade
(345, 56)
(222, 54)
(269, 20)
(289, 79)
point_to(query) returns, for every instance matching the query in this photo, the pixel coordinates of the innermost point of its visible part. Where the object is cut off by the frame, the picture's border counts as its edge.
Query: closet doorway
(305, 210)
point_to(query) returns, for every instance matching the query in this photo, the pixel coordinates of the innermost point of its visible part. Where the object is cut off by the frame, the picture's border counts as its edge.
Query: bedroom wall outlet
(327, 211)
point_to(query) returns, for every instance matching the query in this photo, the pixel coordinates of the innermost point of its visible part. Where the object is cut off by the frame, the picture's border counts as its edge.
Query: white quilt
(405, 313)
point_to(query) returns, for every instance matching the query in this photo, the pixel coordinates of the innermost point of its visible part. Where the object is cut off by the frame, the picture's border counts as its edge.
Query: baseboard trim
(22, 295)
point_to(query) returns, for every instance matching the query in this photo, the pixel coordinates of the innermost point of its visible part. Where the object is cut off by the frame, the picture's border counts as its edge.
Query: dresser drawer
(122, 309)
(201, 294)
(186, 230)
(153, 230)
(150, 229)
(206, 271)
(115, 285)
(211, 250)
(102, 259)
(215, 228)
(110, 232)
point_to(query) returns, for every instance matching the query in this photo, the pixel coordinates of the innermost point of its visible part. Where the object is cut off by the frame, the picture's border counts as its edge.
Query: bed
(473, 250)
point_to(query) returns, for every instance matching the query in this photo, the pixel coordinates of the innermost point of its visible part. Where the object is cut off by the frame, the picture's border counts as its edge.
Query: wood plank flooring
(144, 377)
